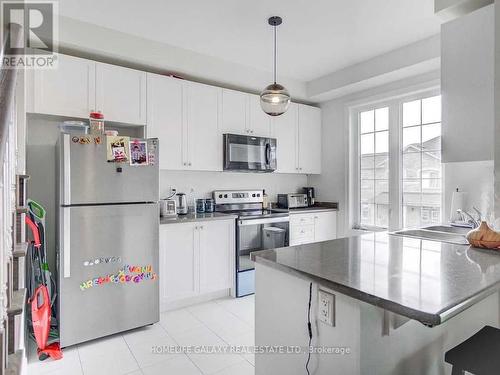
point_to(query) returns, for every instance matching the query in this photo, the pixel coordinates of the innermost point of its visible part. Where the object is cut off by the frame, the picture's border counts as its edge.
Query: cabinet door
(166, 120)
(68, 90)
(309, 139)
(259, 121)
(121, 94)
(178, 262)
(234, 112)
(285, 131)
(325, 226)
(216, 255)
(204, 139)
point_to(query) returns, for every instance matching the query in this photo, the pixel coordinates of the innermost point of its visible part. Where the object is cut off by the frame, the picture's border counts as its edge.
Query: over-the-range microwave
(243, 153)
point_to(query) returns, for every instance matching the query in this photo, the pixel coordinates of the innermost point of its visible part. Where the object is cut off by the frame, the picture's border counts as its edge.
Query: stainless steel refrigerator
(107, 253)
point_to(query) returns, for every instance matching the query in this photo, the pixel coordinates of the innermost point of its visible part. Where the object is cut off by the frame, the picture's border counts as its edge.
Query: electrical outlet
(326, 307)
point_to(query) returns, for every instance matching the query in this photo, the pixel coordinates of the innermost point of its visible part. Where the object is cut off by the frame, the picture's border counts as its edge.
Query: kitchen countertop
(424, 280)
(318, 207)
(196, 217)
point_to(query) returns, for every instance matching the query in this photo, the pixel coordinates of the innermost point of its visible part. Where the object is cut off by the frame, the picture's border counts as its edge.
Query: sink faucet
(471, 219)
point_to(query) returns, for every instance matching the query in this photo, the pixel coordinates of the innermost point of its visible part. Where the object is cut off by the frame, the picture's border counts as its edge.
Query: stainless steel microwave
(245, 153)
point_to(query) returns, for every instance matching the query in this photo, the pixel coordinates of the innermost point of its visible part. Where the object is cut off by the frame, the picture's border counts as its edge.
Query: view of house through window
(419, 131)
(374, 167)
(421, 153)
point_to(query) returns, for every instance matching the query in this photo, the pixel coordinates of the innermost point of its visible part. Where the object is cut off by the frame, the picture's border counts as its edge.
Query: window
(398, 163)
(421, 158)
(374, 167)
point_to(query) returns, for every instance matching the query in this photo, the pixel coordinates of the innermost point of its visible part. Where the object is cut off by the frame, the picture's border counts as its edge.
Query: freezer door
(107, 270)
(86, 177)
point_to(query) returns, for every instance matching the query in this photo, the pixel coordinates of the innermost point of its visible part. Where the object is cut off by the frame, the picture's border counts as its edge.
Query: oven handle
(246, 222)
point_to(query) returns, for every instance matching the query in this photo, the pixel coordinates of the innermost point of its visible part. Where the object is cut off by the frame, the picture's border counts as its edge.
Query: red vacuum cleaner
(41, 304)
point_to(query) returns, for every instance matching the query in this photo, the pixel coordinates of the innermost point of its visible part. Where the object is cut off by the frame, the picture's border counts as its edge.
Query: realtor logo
(30, 32)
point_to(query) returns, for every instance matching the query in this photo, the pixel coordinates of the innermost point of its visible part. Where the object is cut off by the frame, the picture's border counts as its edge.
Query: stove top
(259, 214)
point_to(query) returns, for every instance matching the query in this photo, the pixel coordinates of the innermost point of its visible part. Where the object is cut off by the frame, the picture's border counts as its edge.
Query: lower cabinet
(313, 227)
(196, 259)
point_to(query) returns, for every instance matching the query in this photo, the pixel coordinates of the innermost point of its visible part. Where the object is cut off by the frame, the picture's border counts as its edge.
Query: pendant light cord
(275, 54)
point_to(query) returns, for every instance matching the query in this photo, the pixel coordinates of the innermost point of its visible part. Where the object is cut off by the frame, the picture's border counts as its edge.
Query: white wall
(467, 83)
(476, 178)
(201, 184)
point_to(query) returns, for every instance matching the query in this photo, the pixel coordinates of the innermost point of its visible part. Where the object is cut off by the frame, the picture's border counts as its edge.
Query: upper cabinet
(241, 114)
(184, 116)
(298, 134)
(285, 129)
(68, 90)
(189, 118)
(309, 139)
(121, 94)
(166, 119)
(204, 144)
(78, 86)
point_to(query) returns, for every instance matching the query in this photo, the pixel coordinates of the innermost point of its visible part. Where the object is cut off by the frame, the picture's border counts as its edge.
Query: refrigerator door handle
(66, 234)
(67, 170)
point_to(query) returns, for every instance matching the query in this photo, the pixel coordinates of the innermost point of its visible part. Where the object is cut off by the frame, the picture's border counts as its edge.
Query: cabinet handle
(315, 217)
(195, 228)
(189, 164)
(201, 227)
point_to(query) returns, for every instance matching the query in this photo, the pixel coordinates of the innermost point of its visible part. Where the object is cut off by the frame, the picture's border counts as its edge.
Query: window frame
(395, 105)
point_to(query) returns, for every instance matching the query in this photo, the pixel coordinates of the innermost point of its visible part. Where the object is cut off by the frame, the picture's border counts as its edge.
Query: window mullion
(394, 166)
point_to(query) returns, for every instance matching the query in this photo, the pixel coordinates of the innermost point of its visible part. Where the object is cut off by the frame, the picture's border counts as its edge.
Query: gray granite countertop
(195, 217)
(318, 207)
(423, 280)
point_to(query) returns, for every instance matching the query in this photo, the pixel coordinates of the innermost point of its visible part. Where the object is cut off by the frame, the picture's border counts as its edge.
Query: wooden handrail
(7, 89)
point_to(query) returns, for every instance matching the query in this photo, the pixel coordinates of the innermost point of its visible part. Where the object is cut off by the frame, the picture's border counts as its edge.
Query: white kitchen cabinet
(241, 114)
(313, 227)
(259, 121)
(298, 133)
(234, 112)
(309, 139)
(325, 226)
(166, 119)
(68, 90)
(196, 260)
(204, 143)
(216, 239)
(121, 94)
(285, 129)
(178, 272)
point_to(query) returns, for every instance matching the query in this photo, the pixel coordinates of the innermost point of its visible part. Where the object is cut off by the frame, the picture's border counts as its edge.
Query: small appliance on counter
(309, 191)
(292, 200)
(168, 207)
(181, 203)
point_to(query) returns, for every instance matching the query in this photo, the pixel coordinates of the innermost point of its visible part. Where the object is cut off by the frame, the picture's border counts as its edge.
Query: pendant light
(275, 99)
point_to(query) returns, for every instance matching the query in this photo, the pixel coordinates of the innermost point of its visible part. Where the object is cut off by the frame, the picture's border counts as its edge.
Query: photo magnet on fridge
(138, 152)
(117, 148)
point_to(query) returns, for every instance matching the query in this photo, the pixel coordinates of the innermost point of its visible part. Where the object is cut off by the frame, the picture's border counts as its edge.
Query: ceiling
(316, 38)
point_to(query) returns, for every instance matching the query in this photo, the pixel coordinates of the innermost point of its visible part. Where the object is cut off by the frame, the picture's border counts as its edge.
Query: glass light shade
(275, 99)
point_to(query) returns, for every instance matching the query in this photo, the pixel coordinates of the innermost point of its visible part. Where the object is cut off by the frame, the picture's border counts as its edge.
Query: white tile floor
(222, 322)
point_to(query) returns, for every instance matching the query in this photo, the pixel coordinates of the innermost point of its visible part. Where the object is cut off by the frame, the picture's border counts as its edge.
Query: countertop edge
(427, 319)
(177, 220)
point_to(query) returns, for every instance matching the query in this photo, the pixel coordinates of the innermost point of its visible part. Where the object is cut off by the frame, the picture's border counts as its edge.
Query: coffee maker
(309, 191)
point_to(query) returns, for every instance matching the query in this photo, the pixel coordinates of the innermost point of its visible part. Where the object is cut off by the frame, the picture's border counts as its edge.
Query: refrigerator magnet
(117, 148)
(138, 152)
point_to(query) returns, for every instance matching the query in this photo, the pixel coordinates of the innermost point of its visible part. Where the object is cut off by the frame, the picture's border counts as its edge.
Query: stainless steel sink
(435, 235)
(448, 229)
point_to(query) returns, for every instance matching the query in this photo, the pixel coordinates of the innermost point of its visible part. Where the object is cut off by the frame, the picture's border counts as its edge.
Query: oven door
(254, 235)
(247, 153)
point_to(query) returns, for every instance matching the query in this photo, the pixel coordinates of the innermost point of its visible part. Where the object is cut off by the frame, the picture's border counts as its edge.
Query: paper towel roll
(458, 202)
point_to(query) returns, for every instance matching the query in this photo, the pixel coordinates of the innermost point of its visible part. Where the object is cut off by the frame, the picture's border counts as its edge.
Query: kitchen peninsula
(399, 303)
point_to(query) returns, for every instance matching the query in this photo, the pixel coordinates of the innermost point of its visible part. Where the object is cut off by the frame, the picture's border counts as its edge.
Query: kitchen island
(399, 303)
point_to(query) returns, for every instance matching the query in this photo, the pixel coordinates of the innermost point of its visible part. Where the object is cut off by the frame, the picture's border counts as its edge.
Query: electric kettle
(181, 203)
